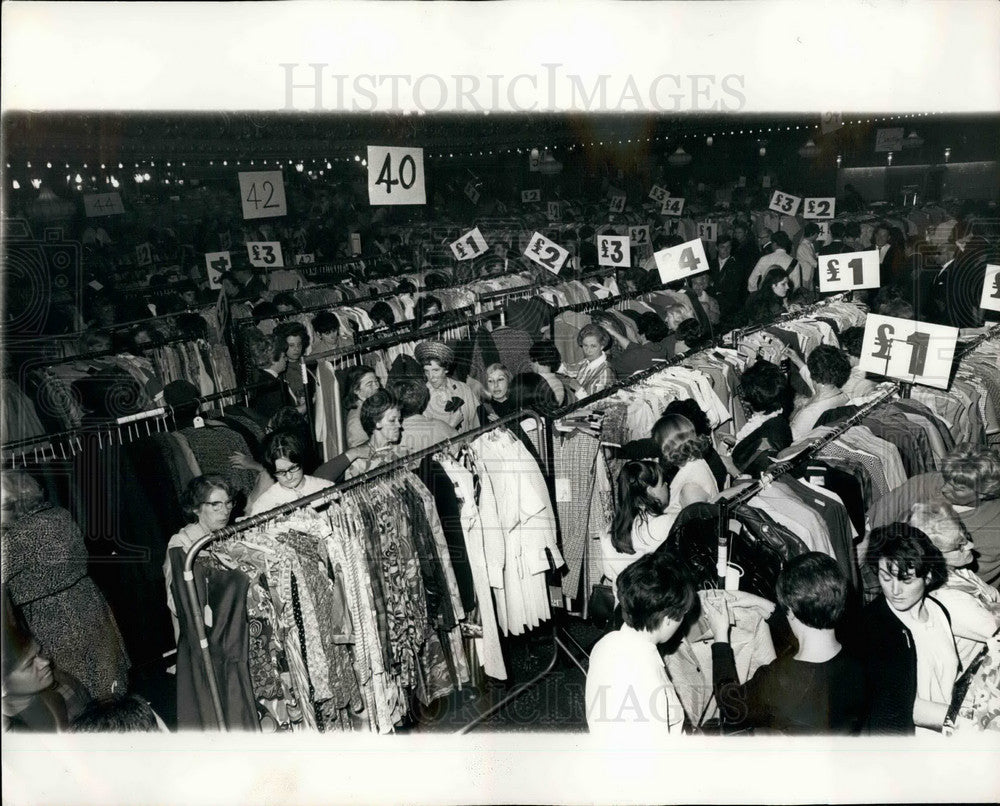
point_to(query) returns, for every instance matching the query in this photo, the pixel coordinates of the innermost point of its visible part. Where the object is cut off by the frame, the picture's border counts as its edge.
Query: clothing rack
(330, 494)
(735, 336)
(969, 347)
(71, 439)
(727, 505)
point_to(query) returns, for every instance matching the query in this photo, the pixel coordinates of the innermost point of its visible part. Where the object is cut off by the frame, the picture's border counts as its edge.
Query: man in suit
(957, 288)
(744, 244)
(270, 392)
(729, 276)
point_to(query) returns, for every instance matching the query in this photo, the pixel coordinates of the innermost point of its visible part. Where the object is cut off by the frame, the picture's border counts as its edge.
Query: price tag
(848, 271)
(784, 203)
(217, 263)
(681, 261)
(564, 490)
(658, 194)
(472, 193)
(824, 232)
(830, 122)
(888, 140)
(528, 196)
(355, 243)
(617, 204)
(819, 208)
(991, 289)
(143, 254)
(470, 245)
(396, 175)
(613, 250)
(101, 204)
(553, 210)
(545, 253)
(673, 205)
(262, 194)
(265, 254)
(639, 235)
(915, 352)
(708, 230)
(305, 260)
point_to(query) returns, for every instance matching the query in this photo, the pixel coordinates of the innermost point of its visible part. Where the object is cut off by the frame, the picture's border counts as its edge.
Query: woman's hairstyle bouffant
(374, 408)
(351, 380)
(498, 368)
(597, 332)
(830, 365)
(774, 275)
(763, 386)
(938, 521)
(21, 491)
(679, 442)
(973, 467)
(199, 489)
(908, 552)
(283, 445)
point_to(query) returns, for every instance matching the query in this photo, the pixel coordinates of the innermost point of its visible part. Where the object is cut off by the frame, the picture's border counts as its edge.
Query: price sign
(617, 204)
(708, 230)
(888, 140)
(658, 194)
(672, 205)
(915, 352)
(639, 235)
(545, 253)
(681, 261)
(265, 254)
(553, 210)
(470, 245)
(830, 122)
(396, 175)
(143, 254)
(765, 181)
(216, 263)
(305, 260)
(613, 250)
(472, 193)
(824, 232)
(819, 208)
(784, 203)
(355, 243)
(100, 204)
(528, 196)
(991, 289)
(262, 194)
(848, 271)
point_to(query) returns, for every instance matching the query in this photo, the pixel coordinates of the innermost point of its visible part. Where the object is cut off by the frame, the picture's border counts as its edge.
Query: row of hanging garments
(340, 619)
(209, 367)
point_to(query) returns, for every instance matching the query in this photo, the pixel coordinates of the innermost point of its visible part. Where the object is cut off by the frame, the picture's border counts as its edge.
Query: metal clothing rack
(330, 494)
(968, 347)
(735, 336)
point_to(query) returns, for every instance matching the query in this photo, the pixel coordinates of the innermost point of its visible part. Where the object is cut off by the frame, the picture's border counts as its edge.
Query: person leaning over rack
(284, 455)
(359, 384)
(771, 300)
(907, 644)
(828, 370)
(453, 402)
(764, 389)
(380, 417)
(628, 694)
(683, 448)
(594, 373)
(819, 688)
(419, 431)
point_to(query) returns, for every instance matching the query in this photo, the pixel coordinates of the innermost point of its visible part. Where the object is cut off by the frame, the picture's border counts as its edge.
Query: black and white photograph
(500, 402)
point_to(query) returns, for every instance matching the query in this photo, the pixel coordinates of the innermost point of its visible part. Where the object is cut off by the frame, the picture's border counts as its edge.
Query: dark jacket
(890, 658)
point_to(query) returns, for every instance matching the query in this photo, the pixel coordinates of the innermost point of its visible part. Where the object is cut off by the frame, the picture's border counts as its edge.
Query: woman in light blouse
(594, 373)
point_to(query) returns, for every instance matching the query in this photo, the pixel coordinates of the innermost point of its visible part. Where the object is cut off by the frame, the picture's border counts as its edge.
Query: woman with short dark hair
(284, 457)
(829, 368)
(764, 388)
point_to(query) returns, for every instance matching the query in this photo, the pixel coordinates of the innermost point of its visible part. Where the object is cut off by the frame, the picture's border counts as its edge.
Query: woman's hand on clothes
(716, 605)
(242, 460)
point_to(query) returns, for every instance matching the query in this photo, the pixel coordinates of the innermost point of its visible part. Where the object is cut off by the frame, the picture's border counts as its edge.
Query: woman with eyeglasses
(284, 456)
(208, 503)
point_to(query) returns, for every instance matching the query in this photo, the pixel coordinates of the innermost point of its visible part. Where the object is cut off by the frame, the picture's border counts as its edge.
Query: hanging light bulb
(889, 161)
(762, 151)
(36, 183)
(357, 158)
(47, 165)
(809, 150)
(709, 140)
(114, 182)
(78, 179)
(299, 167)
(947, 154)
(839, 159)
(146, 177)
(16, 185)
(913, 140)
(679, 158)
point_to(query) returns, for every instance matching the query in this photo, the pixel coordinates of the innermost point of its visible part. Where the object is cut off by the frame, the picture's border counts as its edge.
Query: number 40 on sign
(396, 175)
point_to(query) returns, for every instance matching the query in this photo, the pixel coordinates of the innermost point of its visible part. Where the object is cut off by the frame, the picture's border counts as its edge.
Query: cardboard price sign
(888, 140)
(819, 208)
(262, 194)
(991, 289)
(617, 204)
(265, 254)
(639, 235)
(708, 230)
(672, 205)
(101, 204)
(915, 352)
(472, 193)
(547, 254)
(396, 176)
(848, 271)
(553, 210)
(784, 203)
(681, 261)
(658, 194)
(529, 196)
(143, 254)
(470, 245)
(614, 251)
(217, 263)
